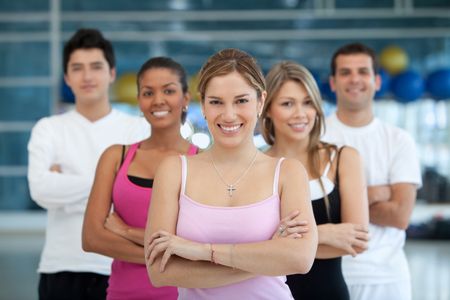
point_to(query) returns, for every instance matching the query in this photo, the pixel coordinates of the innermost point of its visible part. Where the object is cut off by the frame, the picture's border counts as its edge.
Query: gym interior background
(411, 37)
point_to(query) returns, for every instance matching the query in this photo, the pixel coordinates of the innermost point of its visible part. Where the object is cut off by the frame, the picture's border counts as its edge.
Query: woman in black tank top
(292, 121)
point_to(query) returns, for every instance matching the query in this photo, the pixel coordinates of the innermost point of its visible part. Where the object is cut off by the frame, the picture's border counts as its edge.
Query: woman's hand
(291, 227)
(115, 224)
(167, 244)
(352, 238)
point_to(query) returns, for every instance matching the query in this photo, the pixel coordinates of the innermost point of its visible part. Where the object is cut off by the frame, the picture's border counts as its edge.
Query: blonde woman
(292, 121)
(213, 216)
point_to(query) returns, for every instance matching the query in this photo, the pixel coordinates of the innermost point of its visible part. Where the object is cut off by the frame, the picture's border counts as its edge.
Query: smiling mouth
(230, 129)
(160, 114)
(298, 126)
(354, 90)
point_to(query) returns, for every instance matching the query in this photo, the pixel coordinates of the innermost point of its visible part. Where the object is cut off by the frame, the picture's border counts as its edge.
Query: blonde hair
(231, 60)
(278, 75)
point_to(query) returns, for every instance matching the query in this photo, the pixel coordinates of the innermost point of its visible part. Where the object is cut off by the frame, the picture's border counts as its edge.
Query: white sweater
(74, 143)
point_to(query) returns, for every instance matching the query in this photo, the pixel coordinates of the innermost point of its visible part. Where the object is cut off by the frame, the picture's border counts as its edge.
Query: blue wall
(25, 45)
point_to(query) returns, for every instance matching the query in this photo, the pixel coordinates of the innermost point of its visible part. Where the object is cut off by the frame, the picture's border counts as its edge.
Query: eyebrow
(165, 85)
(358, 68)
(77, 64)
(235, 97)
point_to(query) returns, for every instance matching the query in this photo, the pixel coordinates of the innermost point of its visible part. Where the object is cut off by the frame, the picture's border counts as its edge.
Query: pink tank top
(232, 225)
(131, 202)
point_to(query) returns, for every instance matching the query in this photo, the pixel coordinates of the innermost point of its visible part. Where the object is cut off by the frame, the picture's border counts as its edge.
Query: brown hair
(231, 60)
(278, 75)
(354, 48)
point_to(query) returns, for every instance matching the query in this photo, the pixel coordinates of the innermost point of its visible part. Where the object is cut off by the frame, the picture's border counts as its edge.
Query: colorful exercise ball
(438, 84)
(67, 95)
(408, 86)
(385, 84)
(394, 59)
(193, 83)
(125, 89)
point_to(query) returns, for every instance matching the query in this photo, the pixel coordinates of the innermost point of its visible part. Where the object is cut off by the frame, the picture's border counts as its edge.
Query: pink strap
(192, 150)
(277, 176)
(130, 154)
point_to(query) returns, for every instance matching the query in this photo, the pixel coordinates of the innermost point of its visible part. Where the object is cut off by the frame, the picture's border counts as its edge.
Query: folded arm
(397, 210)
(49, 186)
(115, 224)
(351, 235)
(96, 237)
(234, 263)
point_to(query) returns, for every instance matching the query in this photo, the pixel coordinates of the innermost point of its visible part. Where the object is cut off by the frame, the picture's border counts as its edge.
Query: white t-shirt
(74, 143)
(389, 155)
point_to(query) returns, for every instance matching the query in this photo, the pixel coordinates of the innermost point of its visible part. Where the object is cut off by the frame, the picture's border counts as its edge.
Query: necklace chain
(232, 187)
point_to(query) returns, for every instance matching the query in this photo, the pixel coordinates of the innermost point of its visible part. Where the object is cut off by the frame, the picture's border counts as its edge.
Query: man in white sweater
(392, 173)
(63, 153)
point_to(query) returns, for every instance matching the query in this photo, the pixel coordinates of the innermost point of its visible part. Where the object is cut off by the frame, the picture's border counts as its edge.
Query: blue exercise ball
(385, 84)
(438, 84)
(408, 86)
(67, 95)
(316, 76)
(327, 94)
(195, 116)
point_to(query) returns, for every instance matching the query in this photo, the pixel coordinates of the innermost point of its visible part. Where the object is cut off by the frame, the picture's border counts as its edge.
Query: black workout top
(139, 181)
(142, 182)
(325, 280)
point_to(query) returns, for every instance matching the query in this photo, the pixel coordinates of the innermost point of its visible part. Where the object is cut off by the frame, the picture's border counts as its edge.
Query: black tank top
(325, 280)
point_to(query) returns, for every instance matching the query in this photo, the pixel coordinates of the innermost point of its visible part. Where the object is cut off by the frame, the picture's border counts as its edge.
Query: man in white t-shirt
(392, 172)
(62, 154)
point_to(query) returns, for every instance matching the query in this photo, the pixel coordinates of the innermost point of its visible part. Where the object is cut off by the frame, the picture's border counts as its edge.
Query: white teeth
(230, 128)
(354, 90)
(160, 114)
(298, 126)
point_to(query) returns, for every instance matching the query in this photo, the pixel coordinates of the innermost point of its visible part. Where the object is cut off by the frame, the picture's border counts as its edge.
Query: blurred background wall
(411, 37)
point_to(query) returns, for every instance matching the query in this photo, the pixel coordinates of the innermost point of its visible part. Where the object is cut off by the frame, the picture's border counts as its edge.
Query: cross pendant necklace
(230, 190)
(232, 187)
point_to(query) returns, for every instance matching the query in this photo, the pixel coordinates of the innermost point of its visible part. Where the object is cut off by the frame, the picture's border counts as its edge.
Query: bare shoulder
(349, 154)
(291, 168)
(169, 164)
(112, 153)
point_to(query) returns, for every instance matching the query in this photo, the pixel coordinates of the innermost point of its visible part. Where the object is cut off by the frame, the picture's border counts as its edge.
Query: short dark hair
(354, 48)
(88, 38)
(163, 62)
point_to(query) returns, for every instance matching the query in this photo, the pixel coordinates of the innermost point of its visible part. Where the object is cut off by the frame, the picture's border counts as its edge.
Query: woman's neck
(235, 155)
(165, 140)
(290, 149)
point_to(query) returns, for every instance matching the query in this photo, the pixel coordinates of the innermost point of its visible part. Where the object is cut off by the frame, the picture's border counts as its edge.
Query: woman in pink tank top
(213, 216)
(124, 181)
